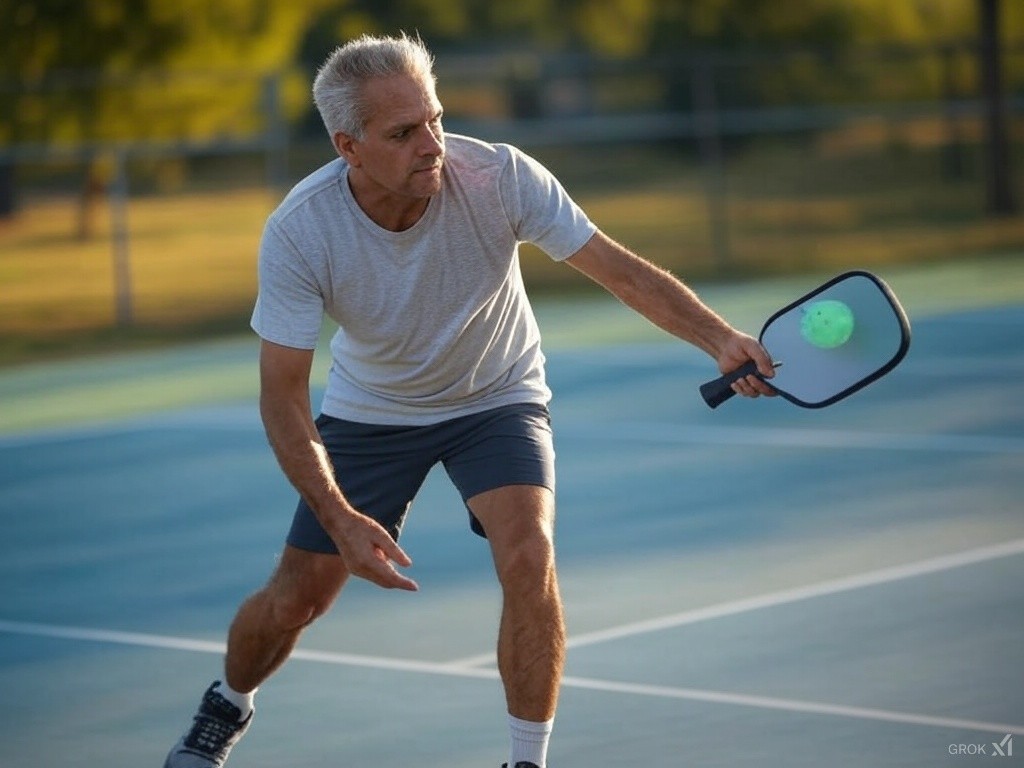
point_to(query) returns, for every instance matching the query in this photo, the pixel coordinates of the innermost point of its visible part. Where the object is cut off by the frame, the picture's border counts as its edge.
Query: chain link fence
(139, 201)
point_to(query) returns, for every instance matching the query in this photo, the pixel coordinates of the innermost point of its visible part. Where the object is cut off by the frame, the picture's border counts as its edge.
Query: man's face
(403, 145)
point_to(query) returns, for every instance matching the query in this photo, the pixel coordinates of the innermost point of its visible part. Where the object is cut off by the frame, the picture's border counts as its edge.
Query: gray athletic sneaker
(215, 730)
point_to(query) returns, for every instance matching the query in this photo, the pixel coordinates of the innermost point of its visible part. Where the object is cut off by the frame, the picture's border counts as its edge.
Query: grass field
(791, 207)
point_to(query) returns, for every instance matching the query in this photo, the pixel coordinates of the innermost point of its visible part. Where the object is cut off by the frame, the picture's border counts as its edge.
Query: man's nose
(433, 143)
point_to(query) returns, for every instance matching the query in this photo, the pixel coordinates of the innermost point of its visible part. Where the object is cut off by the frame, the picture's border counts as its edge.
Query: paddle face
(832, 342)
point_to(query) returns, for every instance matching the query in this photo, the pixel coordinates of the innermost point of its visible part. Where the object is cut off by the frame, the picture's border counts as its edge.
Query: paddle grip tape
(719, 390)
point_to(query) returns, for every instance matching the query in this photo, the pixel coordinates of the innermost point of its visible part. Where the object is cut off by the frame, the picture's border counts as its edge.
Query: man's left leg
(519, 523)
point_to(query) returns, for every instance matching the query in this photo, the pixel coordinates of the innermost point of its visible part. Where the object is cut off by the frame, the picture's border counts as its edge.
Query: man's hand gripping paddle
(830, 343)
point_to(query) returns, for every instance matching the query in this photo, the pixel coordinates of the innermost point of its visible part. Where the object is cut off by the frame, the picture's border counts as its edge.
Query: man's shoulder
(323, 181)
(475, 154)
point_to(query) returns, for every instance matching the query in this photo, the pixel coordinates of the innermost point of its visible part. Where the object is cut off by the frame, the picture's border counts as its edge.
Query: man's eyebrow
(399, 127)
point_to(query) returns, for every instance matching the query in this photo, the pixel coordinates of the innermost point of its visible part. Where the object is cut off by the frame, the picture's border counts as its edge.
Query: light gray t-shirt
(433, 322)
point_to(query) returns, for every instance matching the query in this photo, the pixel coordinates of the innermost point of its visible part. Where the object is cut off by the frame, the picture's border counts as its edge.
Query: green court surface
(755, 585)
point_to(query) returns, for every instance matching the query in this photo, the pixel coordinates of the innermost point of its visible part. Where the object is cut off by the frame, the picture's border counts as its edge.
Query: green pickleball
(827, 324)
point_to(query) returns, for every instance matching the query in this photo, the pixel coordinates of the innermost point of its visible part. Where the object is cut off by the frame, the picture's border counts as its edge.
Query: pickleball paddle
(830, 343)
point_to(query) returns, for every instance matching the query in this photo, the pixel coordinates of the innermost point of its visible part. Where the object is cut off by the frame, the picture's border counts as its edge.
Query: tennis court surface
(757, 585)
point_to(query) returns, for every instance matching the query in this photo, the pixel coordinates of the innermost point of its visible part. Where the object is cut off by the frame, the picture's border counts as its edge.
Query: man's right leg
(262, 636)
(269, 623)
(382, 469)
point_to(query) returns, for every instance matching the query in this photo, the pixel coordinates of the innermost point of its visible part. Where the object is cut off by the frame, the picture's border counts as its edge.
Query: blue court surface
(754, 586)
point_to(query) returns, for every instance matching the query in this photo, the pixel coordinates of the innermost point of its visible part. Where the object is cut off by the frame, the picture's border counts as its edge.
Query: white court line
(790, 705)
(782, 597)
(585, 683)
(830, 587)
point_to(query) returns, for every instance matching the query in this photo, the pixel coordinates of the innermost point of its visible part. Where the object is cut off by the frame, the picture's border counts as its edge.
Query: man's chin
(427, 182)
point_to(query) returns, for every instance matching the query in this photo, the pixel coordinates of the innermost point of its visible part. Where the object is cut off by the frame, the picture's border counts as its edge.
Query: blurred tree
(90, 74)
(42, 39)
(103, 71)
(670, 29)
(49, 52)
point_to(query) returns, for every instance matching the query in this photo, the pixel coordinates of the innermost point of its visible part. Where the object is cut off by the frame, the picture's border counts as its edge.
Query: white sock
(244, 701)
(529, 741)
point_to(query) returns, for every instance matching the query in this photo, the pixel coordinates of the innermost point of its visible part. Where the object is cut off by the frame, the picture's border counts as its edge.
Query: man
(409, 241)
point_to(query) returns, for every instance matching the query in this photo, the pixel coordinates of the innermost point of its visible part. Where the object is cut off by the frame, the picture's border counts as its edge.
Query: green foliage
(111, 70)
(43, 37)
(51, 50)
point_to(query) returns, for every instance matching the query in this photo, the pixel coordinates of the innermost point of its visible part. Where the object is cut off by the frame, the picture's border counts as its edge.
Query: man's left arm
(672, 306)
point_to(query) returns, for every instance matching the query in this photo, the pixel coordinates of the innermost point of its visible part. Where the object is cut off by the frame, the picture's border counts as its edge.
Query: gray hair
(338, 87)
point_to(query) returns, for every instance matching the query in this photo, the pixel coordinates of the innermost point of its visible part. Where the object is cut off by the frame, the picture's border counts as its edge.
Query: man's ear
(345, 146)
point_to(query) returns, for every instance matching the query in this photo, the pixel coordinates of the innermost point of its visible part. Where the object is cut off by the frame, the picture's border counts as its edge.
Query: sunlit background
(142, 143)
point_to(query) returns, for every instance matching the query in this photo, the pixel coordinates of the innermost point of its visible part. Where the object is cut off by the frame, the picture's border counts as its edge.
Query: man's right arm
(368, 550)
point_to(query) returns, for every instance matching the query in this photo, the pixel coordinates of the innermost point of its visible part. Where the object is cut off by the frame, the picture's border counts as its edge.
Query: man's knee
(303, 587)
(527, 561)
(519, 521)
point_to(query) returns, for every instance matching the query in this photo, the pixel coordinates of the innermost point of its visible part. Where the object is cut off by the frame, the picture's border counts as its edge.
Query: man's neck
(395, 213)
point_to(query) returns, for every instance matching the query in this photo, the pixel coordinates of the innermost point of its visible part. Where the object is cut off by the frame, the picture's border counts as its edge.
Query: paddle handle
(717, 391)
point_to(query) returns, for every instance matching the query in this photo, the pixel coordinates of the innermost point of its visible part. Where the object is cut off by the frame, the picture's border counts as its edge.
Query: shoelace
(211, 735)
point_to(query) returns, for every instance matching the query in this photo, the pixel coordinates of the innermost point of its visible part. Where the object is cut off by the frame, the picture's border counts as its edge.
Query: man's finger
(391, 551)
(382, 571)
(385, 575)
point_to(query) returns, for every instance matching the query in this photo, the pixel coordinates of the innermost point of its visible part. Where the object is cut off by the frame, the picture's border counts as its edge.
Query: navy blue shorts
(380, 468)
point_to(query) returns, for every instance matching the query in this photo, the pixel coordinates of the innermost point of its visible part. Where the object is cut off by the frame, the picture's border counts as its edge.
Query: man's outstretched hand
(370, 553)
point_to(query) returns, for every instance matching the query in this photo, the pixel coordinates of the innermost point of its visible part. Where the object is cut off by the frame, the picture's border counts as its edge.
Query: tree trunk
(8, 204)
(997, 149)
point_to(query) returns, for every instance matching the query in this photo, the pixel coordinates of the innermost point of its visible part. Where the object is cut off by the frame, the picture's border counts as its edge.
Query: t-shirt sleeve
(289, 305)
(540, 210)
